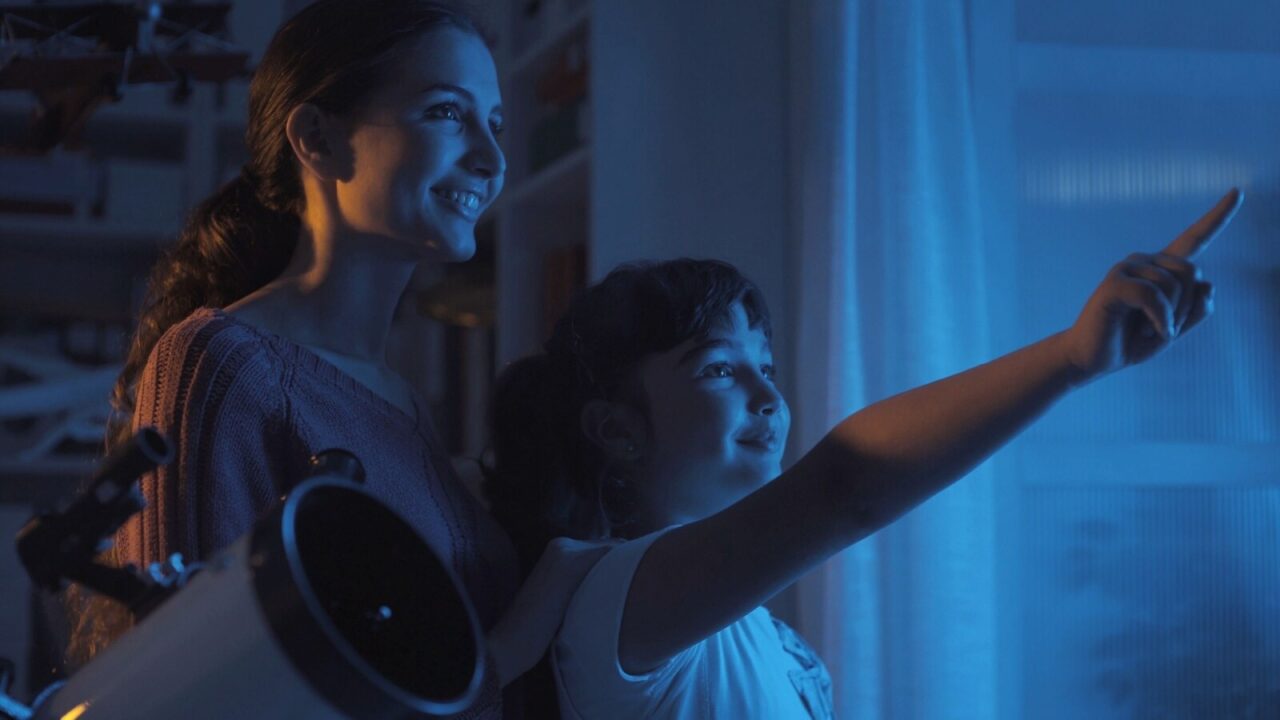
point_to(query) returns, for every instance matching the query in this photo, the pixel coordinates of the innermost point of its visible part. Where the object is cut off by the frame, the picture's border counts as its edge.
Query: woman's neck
(338, 293)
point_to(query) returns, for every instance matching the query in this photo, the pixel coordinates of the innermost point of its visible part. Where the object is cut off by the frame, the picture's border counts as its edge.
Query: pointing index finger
(1201, 233)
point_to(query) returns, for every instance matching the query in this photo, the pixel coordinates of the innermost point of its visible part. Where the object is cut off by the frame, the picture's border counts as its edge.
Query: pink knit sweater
(246, 409)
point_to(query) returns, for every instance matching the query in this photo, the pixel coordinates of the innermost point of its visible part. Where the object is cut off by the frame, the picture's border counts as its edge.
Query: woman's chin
(451, 248)
(458, 253)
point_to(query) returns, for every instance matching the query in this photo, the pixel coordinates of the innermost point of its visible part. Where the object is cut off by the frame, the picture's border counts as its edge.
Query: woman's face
(426, 162)
(717, 423)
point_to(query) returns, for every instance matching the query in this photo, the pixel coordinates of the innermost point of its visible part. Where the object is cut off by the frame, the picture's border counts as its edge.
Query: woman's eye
(769, 371)
(718, 370)
(445, 111)
(497, 127)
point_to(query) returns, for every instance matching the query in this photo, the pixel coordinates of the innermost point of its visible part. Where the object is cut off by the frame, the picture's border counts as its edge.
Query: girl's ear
(617, 429)
(320, 142)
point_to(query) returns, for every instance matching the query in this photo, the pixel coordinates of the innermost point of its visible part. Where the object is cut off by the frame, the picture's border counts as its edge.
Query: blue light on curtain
(892, 252)
(1150, 513)
(1139, 549)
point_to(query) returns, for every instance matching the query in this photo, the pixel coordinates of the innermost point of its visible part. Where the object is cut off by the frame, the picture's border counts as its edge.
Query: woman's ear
(617, 429)
(320, 142)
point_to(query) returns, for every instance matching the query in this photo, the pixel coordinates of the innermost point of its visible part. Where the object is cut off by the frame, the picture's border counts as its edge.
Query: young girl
(652, 423)
(372, 137)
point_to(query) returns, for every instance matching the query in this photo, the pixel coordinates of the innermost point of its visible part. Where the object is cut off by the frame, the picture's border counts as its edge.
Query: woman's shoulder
(203, 355)
(210, 340)
(209, 330)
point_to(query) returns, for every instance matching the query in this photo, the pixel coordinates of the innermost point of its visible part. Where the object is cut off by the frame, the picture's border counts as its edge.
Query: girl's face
(717, 423)
(426, 161)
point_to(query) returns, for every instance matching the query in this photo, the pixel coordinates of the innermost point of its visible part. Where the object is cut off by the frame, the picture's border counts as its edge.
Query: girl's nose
(766, 400)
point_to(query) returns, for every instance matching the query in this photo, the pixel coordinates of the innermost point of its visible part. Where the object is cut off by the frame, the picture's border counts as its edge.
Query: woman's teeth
(462, 198)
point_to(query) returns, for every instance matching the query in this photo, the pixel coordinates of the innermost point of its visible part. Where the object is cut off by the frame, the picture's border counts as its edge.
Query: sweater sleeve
(214, 390)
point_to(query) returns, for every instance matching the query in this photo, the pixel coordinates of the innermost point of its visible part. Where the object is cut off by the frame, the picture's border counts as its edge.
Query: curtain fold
(890, 253)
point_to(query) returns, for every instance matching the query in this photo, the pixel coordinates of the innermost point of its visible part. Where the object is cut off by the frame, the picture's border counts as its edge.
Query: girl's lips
(766, 443)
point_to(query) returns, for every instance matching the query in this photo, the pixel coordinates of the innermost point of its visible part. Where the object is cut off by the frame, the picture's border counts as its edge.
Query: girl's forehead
(731, 332)
(729, 338)
(734, 326)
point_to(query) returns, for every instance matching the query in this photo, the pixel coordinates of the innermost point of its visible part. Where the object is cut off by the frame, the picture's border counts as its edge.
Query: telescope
(332, 606)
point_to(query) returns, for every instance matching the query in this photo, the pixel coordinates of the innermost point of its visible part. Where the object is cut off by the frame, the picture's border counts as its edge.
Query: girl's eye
(497, 126)
(717, 370)
(769, 371)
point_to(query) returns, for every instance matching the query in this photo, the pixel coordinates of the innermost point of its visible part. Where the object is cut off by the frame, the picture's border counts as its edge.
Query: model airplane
(75, 57)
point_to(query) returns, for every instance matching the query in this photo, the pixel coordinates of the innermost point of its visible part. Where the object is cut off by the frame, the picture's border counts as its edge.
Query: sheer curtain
(1121, 559)
(890, 258)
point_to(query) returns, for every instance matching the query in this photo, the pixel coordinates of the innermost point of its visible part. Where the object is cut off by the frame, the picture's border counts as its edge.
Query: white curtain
(890, 256)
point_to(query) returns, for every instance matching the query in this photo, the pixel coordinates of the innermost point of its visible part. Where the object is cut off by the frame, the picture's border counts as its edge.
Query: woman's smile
(467, 203)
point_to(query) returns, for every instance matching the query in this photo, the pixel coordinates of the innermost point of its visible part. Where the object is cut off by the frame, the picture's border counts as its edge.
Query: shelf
(542, 218)
(575, 21)
(143, 103)
(72, 231)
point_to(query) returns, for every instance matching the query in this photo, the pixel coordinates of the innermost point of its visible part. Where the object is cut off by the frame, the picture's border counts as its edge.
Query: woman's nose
(486, 158)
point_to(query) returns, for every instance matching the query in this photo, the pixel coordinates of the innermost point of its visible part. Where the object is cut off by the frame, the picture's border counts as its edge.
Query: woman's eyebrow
(456, 90)
(448, 87)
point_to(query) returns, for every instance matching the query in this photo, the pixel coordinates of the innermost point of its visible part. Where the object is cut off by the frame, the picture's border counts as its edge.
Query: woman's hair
(547, 479)
(332, 54)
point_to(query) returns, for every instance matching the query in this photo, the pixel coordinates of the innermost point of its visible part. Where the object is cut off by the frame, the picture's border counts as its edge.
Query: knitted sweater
(246, 409)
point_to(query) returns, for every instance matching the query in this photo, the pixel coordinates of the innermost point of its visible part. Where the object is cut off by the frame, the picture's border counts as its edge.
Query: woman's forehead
(449, 57)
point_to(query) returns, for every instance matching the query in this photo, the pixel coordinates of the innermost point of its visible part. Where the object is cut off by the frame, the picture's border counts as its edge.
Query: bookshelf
(542, 237)
(473, 318)
(138, 165)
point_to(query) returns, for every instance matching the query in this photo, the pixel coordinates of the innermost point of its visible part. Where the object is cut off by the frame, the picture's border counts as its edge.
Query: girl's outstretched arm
(889, 457)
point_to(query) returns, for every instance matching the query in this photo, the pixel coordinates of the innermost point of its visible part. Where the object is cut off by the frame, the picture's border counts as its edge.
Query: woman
(372, 137)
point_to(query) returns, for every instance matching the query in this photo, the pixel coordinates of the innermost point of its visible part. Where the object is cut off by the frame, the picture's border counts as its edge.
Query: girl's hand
(525, 632)
(1146, 301)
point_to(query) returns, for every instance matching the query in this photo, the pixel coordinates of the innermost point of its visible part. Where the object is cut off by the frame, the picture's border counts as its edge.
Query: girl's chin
(750, 480)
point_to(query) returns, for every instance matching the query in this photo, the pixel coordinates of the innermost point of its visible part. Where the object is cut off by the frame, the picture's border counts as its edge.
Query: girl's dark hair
(332, 54)
(547, 478)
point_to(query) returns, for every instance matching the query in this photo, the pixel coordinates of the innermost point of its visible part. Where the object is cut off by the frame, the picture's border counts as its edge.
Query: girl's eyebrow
(702, 347)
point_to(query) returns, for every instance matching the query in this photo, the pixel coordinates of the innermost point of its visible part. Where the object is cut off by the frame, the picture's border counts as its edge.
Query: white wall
(690, 158)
